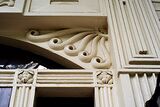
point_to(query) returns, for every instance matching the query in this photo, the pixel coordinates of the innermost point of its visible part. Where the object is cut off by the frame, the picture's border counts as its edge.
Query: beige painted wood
(80, 8)
(59, 81)
(141, 87)
(133, 31)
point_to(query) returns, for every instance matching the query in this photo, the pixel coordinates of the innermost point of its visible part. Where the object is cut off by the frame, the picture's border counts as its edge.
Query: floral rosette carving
(25, 77)
(104, 77)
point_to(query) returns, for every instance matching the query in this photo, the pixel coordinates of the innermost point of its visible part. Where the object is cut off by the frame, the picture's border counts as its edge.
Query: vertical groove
(17, 100)
(25, 104)
(113, 22)
(110, 97)
(97, 102)
(147, 86)
(151, 84)
(124, 33)
(31, 96)
(154, 78)
(22, 97)
(106, 100)
(101, 97)
(13, 95)
(127, 90)
(134, 31)
(149, 23)
(127, 27)
(137, 91)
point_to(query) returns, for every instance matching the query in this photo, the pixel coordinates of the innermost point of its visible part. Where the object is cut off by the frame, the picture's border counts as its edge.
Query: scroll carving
(104, 77)
(81, 42)
(9, 3)
(25, 77)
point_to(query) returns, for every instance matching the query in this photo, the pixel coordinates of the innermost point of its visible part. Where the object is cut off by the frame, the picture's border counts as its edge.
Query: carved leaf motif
(88, 45)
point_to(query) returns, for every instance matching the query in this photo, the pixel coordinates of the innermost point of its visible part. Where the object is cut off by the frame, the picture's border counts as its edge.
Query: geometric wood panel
(137, 34)
(65, 8)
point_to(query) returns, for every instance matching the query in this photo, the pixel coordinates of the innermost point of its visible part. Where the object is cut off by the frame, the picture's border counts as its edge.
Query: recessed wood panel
(66, 7)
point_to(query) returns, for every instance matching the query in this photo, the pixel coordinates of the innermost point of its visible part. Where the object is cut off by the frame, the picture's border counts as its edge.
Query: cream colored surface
(119, 61)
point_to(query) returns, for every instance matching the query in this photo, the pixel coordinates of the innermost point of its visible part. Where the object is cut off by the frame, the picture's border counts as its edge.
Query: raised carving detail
(89, 45)
(9, 3)
(25, 77)
(104, 77)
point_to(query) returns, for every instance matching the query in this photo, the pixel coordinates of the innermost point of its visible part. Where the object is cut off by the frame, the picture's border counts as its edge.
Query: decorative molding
(133, 84)
(23, 96)
(64, 0)
(65, 77)
(25, 77)
(104, 97)
(6, 77)
(88, 45)
(136, 35)
(9, 3)
(104, 77)
(65, 7)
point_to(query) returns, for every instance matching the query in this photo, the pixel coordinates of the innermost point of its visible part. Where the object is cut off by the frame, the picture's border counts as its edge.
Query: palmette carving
(9, 3)
(25, 77)
(89, 42)
(104, 77)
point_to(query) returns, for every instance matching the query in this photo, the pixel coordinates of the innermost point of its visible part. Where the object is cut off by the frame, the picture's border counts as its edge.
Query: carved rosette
(25, 76)
(90, 46)
(9, 3)
(104, 77)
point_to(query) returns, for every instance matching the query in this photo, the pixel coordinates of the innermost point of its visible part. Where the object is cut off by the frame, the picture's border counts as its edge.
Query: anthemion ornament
(25, 77)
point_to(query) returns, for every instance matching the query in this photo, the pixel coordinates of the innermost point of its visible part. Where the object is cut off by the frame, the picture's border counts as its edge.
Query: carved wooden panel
(88, 48)
(65, 7)
(137, 34)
